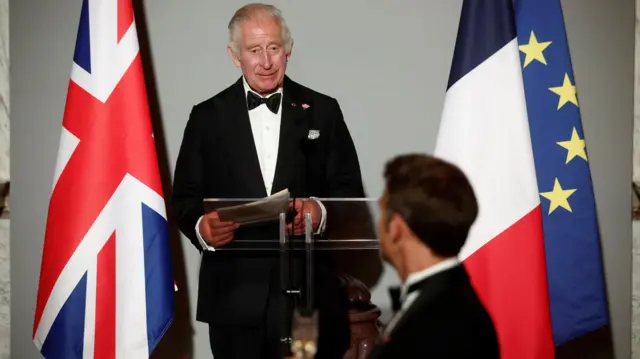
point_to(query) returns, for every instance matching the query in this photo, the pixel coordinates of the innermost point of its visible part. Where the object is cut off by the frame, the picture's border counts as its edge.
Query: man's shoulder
(224, 96)
(451, 319)
(307, 92)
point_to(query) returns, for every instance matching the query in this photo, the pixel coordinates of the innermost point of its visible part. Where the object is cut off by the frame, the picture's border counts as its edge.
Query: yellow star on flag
(567, 92)
(534, 50)
(558, 197)
(575, 146)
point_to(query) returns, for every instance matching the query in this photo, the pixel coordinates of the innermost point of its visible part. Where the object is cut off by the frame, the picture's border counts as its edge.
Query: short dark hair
(434, 197)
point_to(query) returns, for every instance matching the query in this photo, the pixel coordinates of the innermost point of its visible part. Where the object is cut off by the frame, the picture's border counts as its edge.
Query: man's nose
(266, 60)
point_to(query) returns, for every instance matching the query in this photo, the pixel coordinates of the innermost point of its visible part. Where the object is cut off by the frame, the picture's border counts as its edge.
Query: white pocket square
(313, 134)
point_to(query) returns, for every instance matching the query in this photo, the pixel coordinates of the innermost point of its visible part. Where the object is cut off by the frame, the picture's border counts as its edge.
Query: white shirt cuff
(203, 244)
(323, 218)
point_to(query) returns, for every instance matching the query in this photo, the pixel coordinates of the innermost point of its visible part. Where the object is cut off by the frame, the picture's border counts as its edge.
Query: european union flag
(572, 245)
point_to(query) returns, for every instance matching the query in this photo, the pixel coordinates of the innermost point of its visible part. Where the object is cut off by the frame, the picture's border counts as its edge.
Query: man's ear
(397, 227)
(236, 60)
(290, 51)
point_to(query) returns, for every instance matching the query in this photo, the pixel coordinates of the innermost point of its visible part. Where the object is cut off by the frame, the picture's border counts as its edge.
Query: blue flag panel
(572, 242)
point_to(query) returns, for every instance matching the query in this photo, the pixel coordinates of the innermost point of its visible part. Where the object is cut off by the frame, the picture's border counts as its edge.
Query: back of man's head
(434, 198)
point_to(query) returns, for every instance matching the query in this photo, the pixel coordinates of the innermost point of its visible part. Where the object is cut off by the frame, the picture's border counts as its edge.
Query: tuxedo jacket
(218, 159)
(446, 320)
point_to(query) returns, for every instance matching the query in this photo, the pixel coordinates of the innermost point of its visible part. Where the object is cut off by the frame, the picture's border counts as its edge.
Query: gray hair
(253, 10)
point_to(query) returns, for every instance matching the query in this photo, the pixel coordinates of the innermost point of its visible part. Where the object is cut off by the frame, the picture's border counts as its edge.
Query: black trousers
(262, 341)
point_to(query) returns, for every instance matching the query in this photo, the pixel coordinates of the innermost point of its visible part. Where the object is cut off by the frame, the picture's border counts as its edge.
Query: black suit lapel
(290, 167)
(239, 138)
(430, 288)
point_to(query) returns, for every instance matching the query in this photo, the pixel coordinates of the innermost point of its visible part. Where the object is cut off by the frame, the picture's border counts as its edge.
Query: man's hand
(216, 232)
(303, 207)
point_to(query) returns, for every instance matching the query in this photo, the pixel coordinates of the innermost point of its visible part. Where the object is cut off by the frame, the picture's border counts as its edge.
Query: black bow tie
(272, 102)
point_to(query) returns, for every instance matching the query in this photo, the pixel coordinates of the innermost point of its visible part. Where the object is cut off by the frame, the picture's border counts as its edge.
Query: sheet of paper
(265, 209)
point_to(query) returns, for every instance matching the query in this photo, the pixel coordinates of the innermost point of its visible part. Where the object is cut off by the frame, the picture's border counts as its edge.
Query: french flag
(485, 131)
(511, 122)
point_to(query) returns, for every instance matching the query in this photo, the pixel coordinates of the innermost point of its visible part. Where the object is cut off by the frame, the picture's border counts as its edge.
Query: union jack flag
(106, 284)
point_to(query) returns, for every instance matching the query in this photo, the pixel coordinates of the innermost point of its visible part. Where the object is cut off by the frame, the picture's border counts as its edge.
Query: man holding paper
(261, 135)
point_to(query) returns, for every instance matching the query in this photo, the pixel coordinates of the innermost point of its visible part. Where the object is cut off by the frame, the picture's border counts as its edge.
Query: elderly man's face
(262, 55)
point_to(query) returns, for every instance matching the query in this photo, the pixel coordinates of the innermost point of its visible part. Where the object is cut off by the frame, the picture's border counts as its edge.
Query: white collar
(248, 88)
(419, 276)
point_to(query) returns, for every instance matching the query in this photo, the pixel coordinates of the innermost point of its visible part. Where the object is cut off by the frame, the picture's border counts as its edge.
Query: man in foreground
(263, 134)
(426, 211)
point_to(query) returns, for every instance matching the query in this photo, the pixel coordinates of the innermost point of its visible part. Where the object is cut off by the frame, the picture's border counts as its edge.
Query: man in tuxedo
(426, 211)
(263, 134)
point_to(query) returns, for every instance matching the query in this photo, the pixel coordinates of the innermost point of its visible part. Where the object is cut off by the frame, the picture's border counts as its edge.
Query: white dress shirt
(265, 126)
(408, 299)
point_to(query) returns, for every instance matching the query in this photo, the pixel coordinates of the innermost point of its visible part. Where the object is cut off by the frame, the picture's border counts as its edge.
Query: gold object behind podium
(304, 335)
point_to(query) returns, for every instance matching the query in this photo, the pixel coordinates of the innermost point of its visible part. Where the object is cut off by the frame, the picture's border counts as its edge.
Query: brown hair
(434, 197)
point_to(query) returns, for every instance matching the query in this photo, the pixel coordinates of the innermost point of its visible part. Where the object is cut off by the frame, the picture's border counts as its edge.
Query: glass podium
(266, 225)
